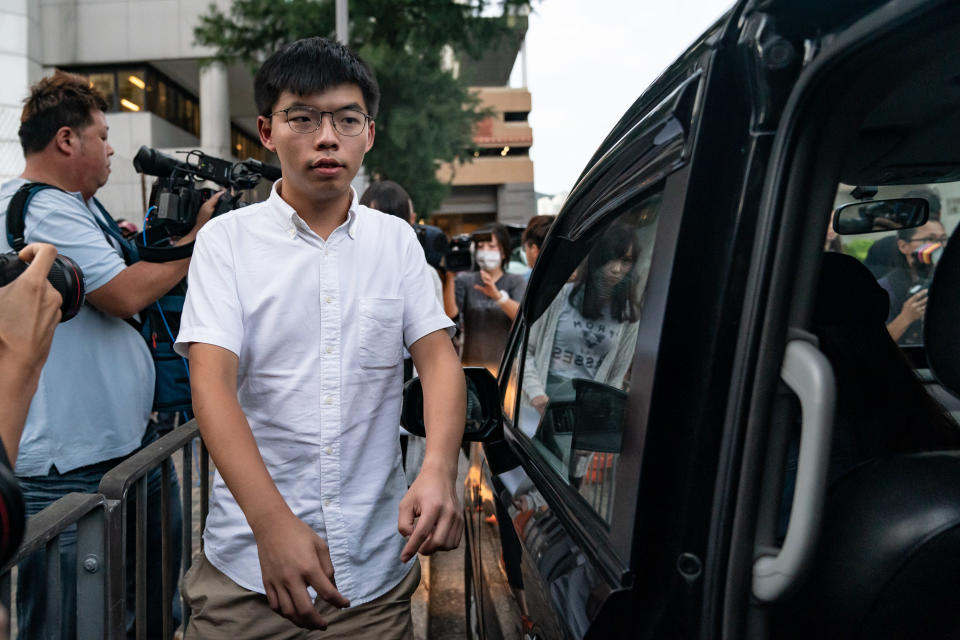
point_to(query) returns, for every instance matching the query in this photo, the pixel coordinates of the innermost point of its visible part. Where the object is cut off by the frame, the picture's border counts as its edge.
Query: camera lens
(65, 276)
(67, 279)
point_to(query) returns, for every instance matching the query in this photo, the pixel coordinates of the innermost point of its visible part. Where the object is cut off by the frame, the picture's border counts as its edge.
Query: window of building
(105, 84)
(500, 152)
(143, 88)
(131, 90)
(515, 116)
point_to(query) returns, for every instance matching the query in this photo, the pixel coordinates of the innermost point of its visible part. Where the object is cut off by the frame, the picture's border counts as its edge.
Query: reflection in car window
(578, 356)
(510, 391)
(903, 261)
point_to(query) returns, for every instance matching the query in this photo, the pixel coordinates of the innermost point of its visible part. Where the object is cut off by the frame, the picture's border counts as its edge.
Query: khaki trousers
(221, 609)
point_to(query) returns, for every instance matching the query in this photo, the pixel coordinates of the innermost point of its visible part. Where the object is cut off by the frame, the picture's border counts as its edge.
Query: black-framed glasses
(346, 121)
(940, 239)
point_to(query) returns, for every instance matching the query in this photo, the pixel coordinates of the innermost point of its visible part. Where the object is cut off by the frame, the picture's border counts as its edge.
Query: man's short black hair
(61, 100)
(389, 197)
(310, 66)
(536, 231)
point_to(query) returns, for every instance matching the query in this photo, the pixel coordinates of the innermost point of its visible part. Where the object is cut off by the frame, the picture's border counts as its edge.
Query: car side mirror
(880, 215)
(484, 420)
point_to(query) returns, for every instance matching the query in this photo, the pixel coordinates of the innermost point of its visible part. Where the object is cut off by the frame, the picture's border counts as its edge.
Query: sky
(587, 62)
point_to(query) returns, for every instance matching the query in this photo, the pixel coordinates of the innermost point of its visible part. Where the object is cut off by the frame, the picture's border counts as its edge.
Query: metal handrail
(133, 472)
(101, 539)
(50, 522)
(93, 515)
(116, 482)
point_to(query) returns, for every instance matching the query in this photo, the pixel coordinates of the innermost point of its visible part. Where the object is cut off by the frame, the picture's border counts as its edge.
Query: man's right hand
(203, 216)
(915, 306)
(293, 557)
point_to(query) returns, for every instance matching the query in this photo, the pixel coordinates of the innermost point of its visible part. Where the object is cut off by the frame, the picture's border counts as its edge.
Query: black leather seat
(888, 558)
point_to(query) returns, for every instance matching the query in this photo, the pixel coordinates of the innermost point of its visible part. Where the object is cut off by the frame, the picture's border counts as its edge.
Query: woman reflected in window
(590, 329)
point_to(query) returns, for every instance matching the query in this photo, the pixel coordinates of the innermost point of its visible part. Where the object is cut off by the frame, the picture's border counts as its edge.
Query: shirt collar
(291, 221)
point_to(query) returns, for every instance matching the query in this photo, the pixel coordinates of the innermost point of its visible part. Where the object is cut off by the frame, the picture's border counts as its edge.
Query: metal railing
(102, 533)
(90, 512)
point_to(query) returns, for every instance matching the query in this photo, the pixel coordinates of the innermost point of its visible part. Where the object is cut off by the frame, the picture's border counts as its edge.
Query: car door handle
(809, 375)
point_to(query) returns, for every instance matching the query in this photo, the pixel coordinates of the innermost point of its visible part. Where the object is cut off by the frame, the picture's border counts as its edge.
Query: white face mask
(488, 260)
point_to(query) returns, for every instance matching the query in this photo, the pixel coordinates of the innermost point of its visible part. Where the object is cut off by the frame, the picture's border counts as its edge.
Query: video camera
(175, 197)
(453, 255)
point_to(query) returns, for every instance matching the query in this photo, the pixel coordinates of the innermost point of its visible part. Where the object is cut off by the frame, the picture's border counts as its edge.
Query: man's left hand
(430, 514)
(489, 287)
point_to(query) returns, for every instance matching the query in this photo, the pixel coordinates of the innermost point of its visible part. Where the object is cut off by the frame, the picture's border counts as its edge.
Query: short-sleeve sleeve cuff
(417, 330)
(206, 336)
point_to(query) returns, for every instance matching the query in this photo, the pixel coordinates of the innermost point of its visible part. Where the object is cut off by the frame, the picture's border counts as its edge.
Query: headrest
(848, 295)
(941, 336)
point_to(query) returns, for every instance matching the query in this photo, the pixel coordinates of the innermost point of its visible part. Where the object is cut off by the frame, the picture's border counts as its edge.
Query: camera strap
(16, 226)
(163, 254)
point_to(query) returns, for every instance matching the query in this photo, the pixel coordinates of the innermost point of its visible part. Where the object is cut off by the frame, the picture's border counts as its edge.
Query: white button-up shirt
(319, 328)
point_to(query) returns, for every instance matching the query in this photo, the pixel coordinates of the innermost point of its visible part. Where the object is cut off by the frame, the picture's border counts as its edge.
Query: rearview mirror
(880, 215)
(483, 406)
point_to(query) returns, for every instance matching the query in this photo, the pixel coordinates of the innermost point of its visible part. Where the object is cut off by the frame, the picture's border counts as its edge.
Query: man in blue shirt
(95, 393)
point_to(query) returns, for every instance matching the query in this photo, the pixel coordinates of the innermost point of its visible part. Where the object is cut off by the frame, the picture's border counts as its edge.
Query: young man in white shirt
(296, 315)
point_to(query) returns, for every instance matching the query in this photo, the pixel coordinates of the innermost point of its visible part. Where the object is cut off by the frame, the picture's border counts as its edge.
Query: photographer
(80, 425)
(907, 286)
(486, 301)
(29, 312)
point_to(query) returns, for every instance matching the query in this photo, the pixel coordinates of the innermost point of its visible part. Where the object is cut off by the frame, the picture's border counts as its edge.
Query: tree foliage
(426, 115)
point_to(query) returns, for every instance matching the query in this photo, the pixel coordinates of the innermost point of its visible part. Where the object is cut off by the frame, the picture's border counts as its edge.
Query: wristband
(504, 296)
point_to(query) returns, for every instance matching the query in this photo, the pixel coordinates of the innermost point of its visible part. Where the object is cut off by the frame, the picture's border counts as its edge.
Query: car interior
(882, 548)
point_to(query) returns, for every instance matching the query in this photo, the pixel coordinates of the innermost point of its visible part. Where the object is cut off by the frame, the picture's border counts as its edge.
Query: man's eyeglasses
(347, 122)
(940, 239)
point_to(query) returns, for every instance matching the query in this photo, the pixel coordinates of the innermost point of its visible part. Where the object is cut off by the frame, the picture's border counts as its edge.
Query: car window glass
(579, 351)
(903, 262)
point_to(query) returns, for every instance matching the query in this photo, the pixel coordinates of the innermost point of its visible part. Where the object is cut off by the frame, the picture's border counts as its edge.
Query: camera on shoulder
(176, 196)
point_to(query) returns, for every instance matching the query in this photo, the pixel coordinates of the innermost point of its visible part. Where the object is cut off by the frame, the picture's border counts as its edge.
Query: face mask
(488, 260)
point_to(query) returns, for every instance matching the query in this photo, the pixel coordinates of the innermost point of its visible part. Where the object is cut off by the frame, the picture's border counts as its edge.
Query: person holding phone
(486, 301)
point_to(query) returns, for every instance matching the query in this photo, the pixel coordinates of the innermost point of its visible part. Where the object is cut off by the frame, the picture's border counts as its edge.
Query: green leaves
(426, 115)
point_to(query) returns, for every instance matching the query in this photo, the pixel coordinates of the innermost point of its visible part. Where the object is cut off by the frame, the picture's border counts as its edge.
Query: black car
(702, 426)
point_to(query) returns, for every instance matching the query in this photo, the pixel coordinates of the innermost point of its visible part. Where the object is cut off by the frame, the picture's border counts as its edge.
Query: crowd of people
(296, 342)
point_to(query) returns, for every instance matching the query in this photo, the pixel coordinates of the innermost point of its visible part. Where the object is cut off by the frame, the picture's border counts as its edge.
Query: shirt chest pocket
(381, 332)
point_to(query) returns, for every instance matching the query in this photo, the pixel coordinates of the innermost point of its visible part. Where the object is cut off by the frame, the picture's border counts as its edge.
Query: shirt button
(329, 349)
(326, 502)
(328, 451)
(328, 299)
(329, 400)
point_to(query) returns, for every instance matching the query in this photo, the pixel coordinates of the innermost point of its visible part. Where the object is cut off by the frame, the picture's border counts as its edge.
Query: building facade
(498, 184)
(141, 54)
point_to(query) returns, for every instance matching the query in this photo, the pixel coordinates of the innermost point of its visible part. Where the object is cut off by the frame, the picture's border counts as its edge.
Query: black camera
(459, 253)
(175, 197)
(65, 276)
